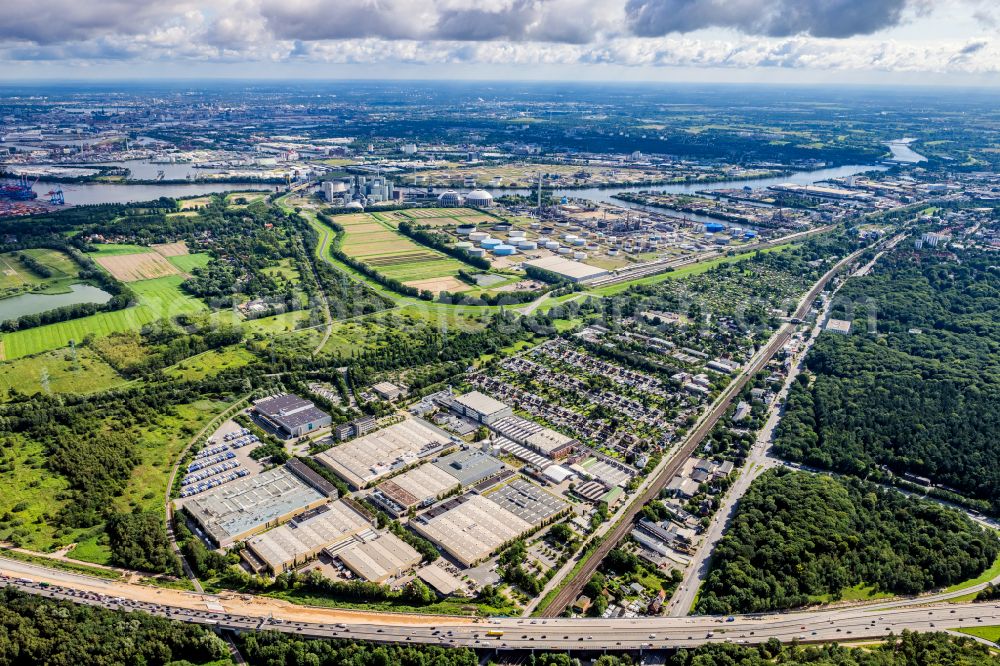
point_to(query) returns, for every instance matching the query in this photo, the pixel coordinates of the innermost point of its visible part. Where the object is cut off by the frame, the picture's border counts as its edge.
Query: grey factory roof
(242, 505)
(418, 484)
(527, 501)
(372, 456)
(439, 579)
(469, 466)
(480, 402)
(305, 536)
(471, 528)
(289, 411)
(376, 560)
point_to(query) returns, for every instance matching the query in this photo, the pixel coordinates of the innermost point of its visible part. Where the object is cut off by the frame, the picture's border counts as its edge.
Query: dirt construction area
(133, 267)
(171, 249)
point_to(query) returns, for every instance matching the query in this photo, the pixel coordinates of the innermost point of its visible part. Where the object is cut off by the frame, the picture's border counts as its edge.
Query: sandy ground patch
(171, 249)
(435, 285)
(132, 267)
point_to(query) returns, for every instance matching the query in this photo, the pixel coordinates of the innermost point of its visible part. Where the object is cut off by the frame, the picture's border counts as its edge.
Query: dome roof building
(479, 199)
(450, 198)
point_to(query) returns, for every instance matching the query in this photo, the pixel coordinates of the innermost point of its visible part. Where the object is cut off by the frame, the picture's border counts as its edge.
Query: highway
(573, 588)
(242, 612)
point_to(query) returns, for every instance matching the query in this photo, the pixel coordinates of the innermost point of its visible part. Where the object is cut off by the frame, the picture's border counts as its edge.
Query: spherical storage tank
(479, 199)
(489, 243)
(504, 250)
(477, 236)
(465, 229)
(527, 245)
(450, 198)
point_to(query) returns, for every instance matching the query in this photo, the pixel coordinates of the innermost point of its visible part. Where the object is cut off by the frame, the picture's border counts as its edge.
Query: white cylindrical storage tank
(564, 250)
(516, 233)
(569, 237)
(593, 246)
(504, 250)
(465, 229)
(536, 225)
(562, 224)
(578, 242)
(580, 255)
(551, 245)
(477, 252)
(463, 245)
(527, 245)
(477, 236)
(613, 252)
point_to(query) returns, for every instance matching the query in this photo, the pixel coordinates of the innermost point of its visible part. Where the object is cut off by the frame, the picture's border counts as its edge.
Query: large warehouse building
(366, 459)
(290, 415)
(244, 507)
(387, 556)
(480, 407)
(470, 528)
(574, 271)
(306, 536)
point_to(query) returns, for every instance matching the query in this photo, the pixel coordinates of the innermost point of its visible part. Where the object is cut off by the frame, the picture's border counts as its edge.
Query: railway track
(573, 588)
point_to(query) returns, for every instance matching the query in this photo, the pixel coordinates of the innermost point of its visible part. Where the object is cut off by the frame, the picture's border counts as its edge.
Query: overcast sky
(816, 41)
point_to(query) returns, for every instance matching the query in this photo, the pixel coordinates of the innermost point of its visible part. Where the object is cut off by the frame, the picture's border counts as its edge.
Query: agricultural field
(244, 199)
(16, 278)
(131, 267)
(395, 256)
(185, 262)
(59, 371)
(158, 299)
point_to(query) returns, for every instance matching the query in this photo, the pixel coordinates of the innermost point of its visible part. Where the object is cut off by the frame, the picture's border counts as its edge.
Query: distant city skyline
(883, 42)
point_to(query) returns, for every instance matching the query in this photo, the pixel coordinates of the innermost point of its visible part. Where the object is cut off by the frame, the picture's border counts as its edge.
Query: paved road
(758, 461)
(572, 589)
(238, 612)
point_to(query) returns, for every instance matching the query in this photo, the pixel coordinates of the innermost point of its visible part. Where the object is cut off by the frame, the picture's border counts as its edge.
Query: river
(799, 178)
(34, 303)
(96, 193)
(146, 170)
(901, 151)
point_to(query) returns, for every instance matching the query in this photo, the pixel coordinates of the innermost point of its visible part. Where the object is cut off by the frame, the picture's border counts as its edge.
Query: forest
(919, 393)
(34, 630)
(799, 538)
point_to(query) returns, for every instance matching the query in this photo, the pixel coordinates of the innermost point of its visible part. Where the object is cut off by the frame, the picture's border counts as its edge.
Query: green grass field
(990, 633)
(185, 262)
(158, 298)
(113, 249)
(211, 363)
(16, 278)
(58, 371)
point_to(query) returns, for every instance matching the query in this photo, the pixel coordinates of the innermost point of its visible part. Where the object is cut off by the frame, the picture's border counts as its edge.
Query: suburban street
(672, 463)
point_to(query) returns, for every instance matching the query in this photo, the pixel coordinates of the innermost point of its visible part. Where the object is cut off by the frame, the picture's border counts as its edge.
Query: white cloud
(788, 34)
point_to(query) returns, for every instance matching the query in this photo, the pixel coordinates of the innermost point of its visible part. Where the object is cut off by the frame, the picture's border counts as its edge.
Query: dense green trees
(275, 649)
(910, 649)
(923, 396)
(798, 537)
(42, 631)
